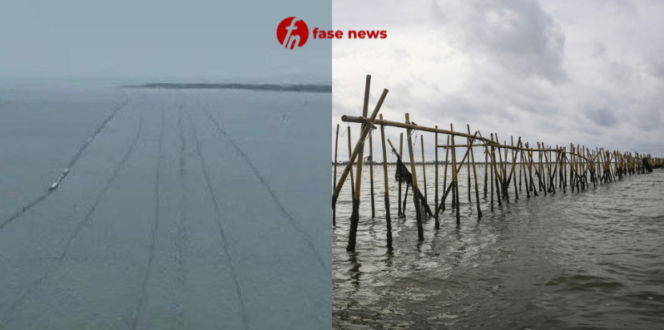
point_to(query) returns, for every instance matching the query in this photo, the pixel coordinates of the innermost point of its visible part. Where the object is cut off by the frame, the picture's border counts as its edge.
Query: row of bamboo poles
(541, 169)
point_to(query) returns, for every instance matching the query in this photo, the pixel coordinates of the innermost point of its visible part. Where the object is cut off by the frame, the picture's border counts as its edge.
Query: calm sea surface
(163, 209)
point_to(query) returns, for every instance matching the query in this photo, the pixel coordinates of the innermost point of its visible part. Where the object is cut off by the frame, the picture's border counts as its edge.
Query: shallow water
(589, 260)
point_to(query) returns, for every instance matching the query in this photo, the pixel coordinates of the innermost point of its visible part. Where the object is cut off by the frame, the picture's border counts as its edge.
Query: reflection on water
(592, 260)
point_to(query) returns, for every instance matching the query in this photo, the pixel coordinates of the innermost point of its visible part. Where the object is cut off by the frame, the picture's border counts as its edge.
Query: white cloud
(555, 71)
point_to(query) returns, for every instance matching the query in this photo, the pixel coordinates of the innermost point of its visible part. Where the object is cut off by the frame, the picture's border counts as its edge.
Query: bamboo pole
(451, 185)
(334, 184)
(523, 173)
(513, 172)
(436, 176)
(400, 212)
(416, 197)
(468, 166)
(498, 177)
(352, 177)
(477, 192)
(447, 153)
(566, 164)
(386, 193)
(455, 180)
(424, 171)
(520, 171)
(371, 177)
(486, 165)
(360, 141)
(552, 173)
(542, 178)
(353, 119)
(355, 215)
(493, 166)
(531, 164)
(505, 185)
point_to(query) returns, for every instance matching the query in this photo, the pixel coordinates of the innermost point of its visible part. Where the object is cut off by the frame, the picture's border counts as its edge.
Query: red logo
(292, 32)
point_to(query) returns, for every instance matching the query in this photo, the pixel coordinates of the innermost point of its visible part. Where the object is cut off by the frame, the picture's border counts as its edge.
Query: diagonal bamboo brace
(357, 148)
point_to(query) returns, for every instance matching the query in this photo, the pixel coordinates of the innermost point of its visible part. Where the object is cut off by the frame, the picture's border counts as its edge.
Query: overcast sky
(588, 72)
(157, 39)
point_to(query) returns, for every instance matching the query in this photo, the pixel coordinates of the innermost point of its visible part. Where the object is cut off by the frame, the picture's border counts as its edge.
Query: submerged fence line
(553, 167)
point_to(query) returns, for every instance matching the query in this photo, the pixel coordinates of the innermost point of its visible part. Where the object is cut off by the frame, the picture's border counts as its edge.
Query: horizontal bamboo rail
(487, 142)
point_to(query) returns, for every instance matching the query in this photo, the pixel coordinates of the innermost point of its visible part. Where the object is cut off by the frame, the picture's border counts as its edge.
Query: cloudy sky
(588, 72)
(159, 39)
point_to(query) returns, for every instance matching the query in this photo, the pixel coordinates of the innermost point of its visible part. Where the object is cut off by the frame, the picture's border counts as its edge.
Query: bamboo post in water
(451, 185)
(562, 176)
(541, 169)
(373, 208)
(360, 141)
(491, 171)
(416, 197)
(436, 176)
(336, 147)
(455, 180)
(513, 172)
(486, 165)
(496, 176)
(424, 170)
(559, 159)
(405, 196)
(355, 215)
(400, 213)
(388, 220)
(503, 173)
(530, 172)
(477, 192)
(447, 153)
(356, 151)
(523, 173)
(468, 168)
(552, 172)
(520, 167)
(352, 177)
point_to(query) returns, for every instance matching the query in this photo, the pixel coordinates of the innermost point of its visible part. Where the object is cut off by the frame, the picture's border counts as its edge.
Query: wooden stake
(386, 193)
(455, 180)
(468, 166)
(447, 153)
(371, 183)
(336, 147)
(486, 166)
(451, 185)
(355, 215)
(400, 213)
(424, 171)
(352, 177)
(356, 151)
(477, 192)
(436, 175)
(493, 165)
(416, 197)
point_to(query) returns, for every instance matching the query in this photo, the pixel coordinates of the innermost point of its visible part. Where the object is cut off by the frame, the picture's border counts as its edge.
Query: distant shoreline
(302, 88)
